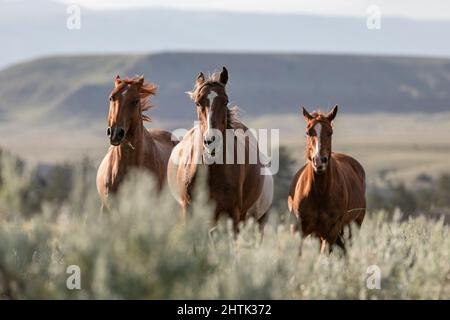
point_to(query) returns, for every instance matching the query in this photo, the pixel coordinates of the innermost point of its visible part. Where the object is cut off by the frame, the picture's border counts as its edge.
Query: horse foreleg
(341, 244)
(262, 222)
(236, 221)
(104, 208)
(295, 224)
(293, 229)
(236, 216)
(323, 244)
(184, 212)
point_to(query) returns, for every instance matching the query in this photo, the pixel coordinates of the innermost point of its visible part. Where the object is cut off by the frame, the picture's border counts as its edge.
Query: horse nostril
(209, 140)
(120, 133)
(324, 159)
(108, 131)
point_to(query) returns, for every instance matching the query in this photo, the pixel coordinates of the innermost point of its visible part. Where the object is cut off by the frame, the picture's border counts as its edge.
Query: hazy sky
(416, 9)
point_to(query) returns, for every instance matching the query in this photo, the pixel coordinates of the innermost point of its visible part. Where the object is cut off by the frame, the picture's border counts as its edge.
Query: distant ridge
(30, 29)
(77, 87)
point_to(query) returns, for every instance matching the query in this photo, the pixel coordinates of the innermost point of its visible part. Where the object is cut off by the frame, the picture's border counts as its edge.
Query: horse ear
(332, 114)
(224, 76)
(306, 115)
(140, 80)
(117, 80)
(200, 79)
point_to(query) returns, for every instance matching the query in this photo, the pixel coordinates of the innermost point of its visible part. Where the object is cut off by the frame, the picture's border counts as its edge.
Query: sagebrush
(141, 249)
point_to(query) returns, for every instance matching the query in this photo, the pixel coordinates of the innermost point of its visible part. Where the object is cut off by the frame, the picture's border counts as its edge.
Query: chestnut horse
(132, 145)
(239, 189)
(328, 192)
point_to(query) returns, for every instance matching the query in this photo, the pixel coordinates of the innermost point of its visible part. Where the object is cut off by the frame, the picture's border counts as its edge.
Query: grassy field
(141, 250)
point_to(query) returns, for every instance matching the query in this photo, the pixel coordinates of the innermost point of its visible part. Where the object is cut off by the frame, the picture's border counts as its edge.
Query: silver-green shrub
(141, 249)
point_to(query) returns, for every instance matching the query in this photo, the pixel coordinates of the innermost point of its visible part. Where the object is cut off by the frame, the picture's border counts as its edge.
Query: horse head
(128, 99)
(319, 132)
(211, 102)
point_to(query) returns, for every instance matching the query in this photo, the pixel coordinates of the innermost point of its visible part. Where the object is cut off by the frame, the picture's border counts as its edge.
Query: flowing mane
(147, 90)
(233, 121)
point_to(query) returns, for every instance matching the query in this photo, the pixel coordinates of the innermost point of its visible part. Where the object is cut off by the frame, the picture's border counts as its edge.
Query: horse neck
(225, 146)
(318, 184)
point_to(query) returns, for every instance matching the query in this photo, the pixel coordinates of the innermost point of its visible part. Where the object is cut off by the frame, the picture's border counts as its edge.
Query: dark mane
(233, 121)
(147, 90)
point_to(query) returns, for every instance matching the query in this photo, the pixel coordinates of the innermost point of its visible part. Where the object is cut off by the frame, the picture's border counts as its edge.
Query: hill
(75, 88)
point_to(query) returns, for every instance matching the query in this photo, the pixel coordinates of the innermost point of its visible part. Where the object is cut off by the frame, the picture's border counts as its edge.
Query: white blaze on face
(211, 96)
(318, 129)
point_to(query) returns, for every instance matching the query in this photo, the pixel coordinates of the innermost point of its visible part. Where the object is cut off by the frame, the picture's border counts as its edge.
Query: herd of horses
(326, 195)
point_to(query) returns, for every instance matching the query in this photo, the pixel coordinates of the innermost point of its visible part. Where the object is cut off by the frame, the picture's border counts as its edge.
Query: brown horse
(328, 192)
(132, 145)
(239, 189)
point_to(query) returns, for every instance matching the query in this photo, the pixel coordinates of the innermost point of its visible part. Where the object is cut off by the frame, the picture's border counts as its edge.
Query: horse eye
(111, 99)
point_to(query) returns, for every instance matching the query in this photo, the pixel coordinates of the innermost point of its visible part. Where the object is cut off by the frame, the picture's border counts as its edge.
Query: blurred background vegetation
(50, 219)
(54, 183)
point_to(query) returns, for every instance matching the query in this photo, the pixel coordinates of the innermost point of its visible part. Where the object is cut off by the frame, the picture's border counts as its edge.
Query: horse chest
(318, 216)
(224, 186)
(118, 169)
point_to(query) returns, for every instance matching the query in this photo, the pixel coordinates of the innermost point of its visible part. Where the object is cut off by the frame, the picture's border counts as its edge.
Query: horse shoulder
(181, 166)
(352, 181)
(294, 191)
(104, 174)
(164, 142)
(264, 202)
(163, 137)
(350, 165)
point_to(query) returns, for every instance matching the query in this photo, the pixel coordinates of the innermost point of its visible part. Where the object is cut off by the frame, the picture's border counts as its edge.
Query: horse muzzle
(116, 135)
(211, 143)
(320, 164)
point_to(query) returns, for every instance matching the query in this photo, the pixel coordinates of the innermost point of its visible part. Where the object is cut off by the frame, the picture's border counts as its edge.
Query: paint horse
(132, 145)
(328, 192)
(239, 189)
